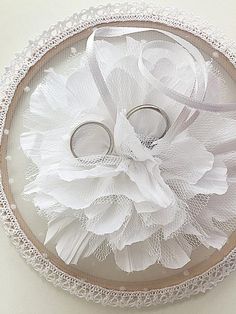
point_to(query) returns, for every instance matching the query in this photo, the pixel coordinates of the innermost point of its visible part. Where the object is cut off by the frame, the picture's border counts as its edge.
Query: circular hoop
(199, 278)
(111, 144)
(152, 107)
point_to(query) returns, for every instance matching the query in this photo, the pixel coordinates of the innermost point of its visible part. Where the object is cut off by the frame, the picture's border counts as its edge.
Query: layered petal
(82, 193)
(132, 231)
(129, 259)
(109, 217)
(222, 207)
(48, 99)
(127, 142)
(185, 158)
(214, 181)
(147, 177)
(212, 130)
(174, 254)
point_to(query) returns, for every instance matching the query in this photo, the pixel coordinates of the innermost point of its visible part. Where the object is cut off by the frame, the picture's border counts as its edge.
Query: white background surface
(22, 291)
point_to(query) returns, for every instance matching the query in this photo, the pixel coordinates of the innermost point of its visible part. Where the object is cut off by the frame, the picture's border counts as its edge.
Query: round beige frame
(200, 277)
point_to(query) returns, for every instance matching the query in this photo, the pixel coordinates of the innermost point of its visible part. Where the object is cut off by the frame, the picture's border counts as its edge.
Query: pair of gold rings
(108, 131)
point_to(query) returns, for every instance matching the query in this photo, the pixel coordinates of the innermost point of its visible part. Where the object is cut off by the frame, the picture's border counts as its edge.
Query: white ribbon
(195, 101)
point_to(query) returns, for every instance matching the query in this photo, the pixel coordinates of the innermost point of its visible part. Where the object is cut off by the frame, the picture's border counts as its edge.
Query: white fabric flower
(146, 205)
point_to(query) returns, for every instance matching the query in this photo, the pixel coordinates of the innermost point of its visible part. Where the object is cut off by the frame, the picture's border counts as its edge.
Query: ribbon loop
(198, 64)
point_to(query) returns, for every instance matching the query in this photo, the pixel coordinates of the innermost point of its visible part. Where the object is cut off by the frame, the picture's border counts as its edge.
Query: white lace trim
(12, 77)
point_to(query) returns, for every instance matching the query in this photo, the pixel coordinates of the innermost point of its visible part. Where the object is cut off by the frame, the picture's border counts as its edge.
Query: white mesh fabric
(120, 192)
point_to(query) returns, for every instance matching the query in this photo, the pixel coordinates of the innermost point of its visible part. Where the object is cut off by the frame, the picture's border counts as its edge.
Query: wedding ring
(107, 130)
(152, 107)
(93, 123)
